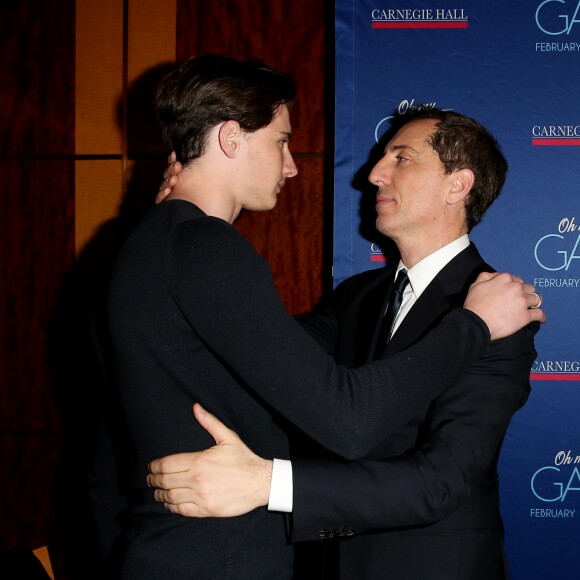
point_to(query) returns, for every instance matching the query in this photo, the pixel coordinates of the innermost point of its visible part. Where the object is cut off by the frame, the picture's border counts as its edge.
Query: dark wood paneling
(287, 35)
(36, 253)
(37, 88)
(290, 236)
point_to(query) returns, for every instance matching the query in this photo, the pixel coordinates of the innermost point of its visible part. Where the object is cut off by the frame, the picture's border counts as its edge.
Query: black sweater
(194, 317)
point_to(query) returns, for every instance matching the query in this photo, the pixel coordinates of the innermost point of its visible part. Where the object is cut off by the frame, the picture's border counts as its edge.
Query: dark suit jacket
(432, 510)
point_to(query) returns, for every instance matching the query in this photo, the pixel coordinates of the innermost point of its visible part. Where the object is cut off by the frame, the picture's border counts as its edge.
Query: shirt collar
(423, 272)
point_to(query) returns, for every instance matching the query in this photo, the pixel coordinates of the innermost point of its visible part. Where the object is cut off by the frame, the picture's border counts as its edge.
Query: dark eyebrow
(401, 147)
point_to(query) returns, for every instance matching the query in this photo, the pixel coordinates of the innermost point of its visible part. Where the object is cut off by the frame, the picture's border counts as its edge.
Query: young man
(429, 492)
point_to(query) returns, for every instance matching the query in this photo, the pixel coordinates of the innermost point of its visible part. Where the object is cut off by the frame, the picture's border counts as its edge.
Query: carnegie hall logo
(556, 135)
(419, 18)
(556, 486)
(558, 21)
(555, 370)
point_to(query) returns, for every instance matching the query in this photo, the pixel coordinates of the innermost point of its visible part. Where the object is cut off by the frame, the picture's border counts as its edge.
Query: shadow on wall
(368, 191)
(84, 526)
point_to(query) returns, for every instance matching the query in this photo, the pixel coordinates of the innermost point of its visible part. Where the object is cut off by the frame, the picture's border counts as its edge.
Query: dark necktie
(392, 309)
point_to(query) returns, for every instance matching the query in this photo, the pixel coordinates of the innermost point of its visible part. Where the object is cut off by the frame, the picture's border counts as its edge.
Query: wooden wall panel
(151, 35)
(37, 88)
(36, 252)
(290, 236)
(114, 109)
(287, 35)
(99, 77)
(98, 194)
(150, 55)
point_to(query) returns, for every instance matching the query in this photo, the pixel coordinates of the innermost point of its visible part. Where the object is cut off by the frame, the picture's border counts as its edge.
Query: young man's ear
(461, 185)
(229, 136)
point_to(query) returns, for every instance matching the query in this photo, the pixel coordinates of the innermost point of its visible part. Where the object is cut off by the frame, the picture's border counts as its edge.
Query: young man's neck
(208, 189)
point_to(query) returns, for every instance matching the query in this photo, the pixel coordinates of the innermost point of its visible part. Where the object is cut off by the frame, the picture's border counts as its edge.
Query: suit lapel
(447, 290)
(364, 302)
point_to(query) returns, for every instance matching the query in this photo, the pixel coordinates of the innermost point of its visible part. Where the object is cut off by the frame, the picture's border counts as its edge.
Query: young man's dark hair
(210, 89)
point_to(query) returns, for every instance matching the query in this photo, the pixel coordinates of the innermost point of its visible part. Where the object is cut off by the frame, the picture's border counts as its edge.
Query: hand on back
(223, 481)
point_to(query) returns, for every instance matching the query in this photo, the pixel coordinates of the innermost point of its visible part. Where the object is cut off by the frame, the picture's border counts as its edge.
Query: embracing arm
(238, 314)
(465, 428)
(457, 452)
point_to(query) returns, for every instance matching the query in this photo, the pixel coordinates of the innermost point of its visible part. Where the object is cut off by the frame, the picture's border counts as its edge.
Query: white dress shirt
(420, 276)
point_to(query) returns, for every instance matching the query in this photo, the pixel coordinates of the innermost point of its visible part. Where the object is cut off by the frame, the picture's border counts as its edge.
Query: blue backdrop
(515, 67)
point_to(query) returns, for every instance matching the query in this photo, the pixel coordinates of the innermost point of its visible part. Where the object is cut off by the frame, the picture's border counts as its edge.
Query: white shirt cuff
(281, 488)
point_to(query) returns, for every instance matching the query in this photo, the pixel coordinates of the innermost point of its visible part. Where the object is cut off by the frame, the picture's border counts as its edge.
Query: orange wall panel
(151, 37)
(108, 117)
(99, 76)
(98, 196)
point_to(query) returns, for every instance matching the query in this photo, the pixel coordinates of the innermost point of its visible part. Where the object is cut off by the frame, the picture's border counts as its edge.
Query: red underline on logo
(378, 258)
(555, 376)
(556, 142)
(421, 24)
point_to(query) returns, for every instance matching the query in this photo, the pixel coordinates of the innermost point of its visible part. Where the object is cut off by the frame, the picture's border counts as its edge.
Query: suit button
(350, 532)
(330, 534)
(321, 535)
